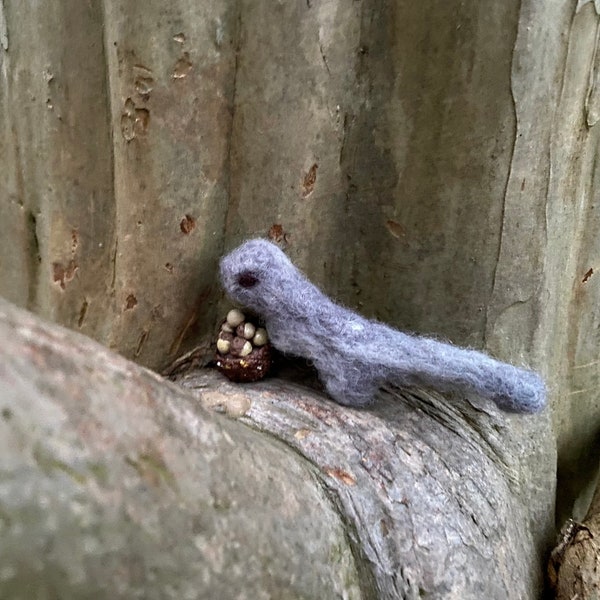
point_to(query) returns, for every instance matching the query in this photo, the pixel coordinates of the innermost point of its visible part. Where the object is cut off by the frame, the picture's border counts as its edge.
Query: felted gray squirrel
(355, 356)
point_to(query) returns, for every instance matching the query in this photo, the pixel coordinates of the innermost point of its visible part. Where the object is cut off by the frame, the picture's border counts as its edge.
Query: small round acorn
(235, 317)
(260, 337)
(243, 349)
(223, 346)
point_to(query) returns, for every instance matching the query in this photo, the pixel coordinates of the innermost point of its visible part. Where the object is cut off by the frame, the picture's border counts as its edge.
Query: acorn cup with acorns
(243, 349)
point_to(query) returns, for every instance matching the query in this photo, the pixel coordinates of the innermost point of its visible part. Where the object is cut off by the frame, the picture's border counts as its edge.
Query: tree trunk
(117, 484)
(574, 568)
(432, 166)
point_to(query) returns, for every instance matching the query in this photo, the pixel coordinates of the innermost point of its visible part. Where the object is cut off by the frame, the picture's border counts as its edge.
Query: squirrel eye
(247, 279)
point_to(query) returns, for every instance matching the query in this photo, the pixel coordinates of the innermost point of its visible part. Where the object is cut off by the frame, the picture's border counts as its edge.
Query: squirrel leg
(349, 385)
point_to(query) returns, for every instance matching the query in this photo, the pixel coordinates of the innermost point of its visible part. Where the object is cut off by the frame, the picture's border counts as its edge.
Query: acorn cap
(245, 369)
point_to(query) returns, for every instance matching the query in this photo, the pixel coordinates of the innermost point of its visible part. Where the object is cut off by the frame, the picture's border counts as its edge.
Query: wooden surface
(116, 483)
(574, 566)
(432, 166)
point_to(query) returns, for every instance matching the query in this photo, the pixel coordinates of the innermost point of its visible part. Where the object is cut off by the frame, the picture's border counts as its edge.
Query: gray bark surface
(447, 498)
(434, 166)
(115, 483)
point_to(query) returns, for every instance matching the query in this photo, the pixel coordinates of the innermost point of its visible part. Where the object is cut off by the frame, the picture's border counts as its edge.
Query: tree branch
(116, 483)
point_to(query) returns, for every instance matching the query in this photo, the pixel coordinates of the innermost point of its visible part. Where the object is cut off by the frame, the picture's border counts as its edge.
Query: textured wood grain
(574, 567)
(433, 166)
(115, 483)
(444, 497)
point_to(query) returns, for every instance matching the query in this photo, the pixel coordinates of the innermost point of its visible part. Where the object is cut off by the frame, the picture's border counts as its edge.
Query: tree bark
(432, 166)
(116, 120)
(574, 568)
(115, 483)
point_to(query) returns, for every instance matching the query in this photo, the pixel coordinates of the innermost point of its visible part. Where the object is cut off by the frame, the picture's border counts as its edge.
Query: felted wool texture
(355, 356)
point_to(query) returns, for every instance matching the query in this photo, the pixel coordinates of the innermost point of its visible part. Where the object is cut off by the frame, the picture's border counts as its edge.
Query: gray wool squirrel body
(355, 356)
